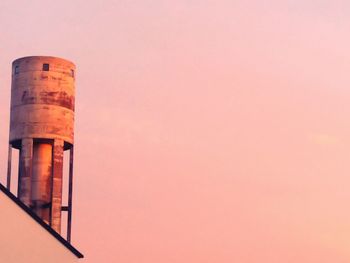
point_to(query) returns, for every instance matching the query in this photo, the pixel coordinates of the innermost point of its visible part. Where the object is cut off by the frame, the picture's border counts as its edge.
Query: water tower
(42, 128)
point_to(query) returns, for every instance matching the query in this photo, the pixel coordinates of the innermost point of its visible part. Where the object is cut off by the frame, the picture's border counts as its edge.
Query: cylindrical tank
(42, 99)
(41, 179)
(42, 127)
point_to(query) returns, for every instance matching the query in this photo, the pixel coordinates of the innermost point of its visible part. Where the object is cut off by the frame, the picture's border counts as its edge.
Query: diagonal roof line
(41, 222)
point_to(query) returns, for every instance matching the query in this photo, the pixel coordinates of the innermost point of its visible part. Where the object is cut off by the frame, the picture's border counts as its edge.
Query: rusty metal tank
(42, 127)
(42, 99)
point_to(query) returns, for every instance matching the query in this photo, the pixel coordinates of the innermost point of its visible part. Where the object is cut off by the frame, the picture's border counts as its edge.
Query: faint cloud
(324, 139)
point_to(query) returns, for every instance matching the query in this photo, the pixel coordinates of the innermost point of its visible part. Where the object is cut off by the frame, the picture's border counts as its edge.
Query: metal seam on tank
(43, 58)
(60, 72)
(42, 104)
(55, 105)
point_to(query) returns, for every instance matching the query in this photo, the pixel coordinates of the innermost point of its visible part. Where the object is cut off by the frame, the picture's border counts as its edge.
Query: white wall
(22, 239)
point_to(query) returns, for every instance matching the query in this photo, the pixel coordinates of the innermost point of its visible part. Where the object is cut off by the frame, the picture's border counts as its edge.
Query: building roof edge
(40, 222)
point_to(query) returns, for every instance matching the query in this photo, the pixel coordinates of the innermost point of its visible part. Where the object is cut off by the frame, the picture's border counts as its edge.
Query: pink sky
(206, 131)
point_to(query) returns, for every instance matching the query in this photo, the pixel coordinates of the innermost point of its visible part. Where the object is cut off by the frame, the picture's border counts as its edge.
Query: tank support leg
(25, 171)
(57, 175)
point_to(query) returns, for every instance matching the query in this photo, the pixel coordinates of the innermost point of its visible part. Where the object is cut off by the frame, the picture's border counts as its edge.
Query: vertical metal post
(19, 172)
(56, 194)
(25, 171)
(70, 194)
(9, 162)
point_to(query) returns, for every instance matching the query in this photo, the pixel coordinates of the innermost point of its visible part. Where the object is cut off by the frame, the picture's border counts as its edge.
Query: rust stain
(24, 95)
(60, 98)
(28, 98)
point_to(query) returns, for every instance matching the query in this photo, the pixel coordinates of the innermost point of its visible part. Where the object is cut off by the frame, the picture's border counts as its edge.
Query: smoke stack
(42, 128)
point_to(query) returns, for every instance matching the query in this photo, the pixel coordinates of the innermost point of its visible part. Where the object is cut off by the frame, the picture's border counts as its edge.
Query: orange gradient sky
(206, 131)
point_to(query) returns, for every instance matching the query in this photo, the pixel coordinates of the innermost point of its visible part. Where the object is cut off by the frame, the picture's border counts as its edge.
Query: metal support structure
(42, 128)
(19, 172)
(57, 178)
(9, 162)
(25, 171)
(70, 194)
(25, 174)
